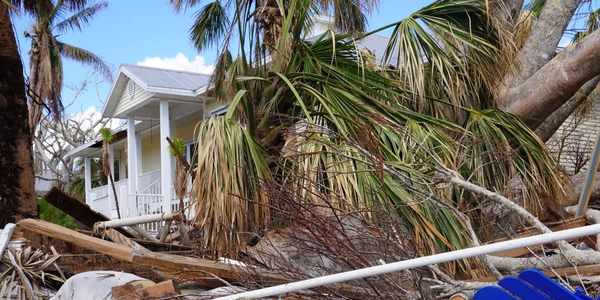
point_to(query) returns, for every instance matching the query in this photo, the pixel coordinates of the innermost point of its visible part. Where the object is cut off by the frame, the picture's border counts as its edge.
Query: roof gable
(154, 80)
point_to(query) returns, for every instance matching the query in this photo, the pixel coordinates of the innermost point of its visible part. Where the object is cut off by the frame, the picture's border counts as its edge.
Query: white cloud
(179, 62)
(90, 116)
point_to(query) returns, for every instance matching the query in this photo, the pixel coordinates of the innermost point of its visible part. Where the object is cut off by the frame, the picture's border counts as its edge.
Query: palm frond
(210, 26)
(535, 7)
(450, 50)
(80, 18)
(179, 5)
(228, 198)
(349, 15)
(500, 149)
(85, 57)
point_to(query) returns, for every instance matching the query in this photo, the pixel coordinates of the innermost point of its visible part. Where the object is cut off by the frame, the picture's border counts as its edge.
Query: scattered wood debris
(133, 292)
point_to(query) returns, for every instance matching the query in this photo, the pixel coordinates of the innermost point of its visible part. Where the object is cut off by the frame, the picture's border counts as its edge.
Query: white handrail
(153, 185)
(418, 262)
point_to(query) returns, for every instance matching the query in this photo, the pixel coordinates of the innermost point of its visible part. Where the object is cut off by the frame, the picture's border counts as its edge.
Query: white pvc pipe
(137, 220)
(143, 232)
(418, 262)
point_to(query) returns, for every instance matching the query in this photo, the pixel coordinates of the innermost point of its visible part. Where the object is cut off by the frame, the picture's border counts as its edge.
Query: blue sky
(136, 31)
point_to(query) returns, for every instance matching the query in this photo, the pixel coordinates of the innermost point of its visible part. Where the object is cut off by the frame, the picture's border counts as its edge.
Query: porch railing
(146, 204)
(147, 180)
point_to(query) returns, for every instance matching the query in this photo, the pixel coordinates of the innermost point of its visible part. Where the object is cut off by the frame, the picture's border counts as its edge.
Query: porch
(149, 200)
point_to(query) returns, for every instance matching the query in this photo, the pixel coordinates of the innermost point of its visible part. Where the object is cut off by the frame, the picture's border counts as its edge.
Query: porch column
(132, 160)
(165, 156)
(87, 169)
(138, 156)
(132, 167)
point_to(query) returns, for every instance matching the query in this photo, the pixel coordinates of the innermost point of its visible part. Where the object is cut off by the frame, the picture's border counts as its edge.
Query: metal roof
(149, 78)
(188, 85)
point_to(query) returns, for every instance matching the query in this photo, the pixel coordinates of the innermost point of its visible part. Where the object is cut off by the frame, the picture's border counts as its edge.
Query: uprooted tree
(411, 141)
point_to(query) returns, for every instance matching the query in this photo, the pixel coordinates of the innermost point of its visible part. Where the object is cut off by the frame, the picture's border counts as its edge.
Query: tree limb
(558, 117)
(555, 83)
(540, 46)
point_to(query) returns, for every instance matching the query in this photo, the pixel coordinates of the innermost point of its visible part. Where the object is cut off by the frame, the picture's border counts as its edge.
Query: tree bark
(557, 118)
(17, 187)
(555, 83)
(540, 46)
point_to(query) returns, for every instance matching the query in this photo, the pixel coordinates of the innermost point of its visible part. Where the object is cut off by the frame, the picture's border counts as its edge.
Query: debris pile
(120, 259)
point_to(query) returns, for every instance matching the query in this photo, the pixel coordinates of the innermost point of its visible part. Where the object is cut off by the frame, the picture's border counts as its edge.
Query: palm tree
(261, 23)
(77, 186)
(17, 192)
(180, 181)
(108, 137)
(339, 122)
(46, 76)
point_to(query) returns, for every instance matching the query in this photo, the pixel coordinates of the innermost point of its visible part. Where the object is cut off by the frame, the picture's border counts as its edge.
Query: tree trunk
(545, 36)
(17, 187)
(555, 83)
(547, 129)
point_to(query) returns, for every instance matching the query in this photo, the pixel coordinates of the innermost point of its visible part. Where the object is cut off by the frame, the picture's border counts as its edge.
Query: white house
(156, 103)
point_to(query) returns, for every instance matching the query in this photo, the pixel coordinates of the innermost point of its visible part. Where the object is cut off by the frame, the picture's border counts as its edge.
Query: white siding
(123, 164)
(574, 141)
(187, 131)
(126, 103)
(151, 154)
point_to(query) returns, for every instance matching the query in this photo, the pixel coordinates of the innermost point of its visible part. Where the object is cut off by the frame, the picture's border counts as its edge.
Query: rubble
(112, 262)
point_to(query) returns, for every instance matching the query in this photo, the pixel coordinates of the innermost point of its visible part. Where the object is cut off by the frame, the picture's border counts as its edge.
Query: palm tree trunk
(35, 102)
(112, 183)
(17, 187)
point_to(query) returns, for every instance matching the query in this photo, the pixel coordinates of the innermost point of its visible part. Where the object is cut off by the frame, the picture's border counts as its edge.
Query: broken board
(77, 209)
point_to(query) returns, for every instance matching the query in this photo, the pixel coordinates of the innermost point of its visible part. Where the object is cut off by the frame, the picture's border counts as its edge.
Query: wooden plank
(554, 226)
(123, 292)
(589, 270)
(156, 260)
(76, 238)
(120, 239)
(161, 289)
(177, 263)
(129, 292)
(72, 264)
(77, 209)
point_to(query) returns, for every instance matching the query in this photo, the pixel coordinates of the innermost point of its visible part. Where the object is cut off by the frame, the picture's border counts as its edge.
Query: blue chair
(531, 284)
